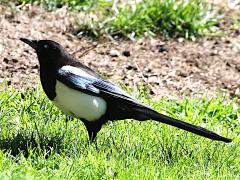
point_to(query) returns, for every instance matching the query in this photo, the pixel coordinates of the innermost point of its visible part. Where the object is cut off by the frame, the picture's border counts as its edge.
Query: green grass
(169, 18)
(37, 143)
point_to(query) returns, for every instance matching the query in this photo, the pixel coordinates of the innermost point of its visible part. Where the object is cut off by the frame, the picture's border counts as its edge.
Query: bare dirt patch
(167, 67)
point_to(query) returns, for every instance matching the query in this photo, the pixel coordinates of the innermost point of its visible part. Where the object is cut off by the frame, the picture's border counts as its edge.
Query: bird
(79, 91)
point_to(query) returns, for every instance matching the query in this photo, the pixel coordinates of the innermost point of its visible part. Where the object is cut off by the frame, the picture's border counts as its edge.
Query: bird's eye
(45, 46)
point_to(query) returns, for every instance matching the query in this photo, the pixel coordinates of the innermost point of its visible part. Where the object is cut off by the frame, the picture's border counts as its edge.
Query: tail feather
(151, 114)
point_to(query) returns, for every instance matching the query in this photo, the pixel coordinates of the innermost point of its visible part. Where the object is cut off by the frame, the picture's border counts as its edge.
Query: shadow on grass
(22, 143)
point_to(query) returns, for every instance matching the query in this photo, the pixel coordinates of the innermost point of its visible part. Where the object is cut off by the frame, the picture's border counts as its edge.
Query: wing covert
(76, 79)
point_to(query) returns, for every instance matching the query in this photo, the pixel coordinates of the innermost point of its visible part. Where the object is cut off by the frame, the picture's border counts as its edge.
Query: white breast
(80, 104)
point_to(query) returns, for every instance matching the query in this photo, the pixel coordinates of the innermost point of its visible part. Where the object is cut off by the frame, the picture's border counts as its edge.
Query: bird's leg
(92, 128)
(92, 135)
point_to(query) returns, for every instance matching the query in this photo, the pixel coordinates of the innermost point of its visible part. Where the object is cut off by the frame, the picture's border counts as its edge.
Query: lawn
(37, 143)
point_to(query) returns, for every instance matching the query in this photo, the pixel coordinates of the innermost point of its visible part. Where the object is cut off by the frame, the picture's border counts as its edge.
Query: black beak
(32, 43)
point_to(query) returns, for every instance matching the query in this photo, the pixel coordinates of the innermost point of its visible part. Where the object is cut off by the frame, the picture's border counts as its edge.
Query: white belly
(82, 105)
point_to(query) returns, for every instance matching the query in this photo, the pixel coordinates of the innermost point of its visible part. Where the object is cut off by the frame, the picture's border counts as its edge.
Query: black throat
(48, 80)
(48, 73)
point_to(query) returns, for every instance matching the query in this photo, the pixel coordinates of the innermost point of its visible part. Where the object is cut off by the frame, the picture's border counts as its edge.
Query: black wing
(91, 85)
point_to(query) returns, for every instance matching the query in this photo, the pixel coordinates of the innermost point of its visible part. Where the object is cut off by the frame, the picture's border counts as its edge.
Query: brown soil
(167, 67)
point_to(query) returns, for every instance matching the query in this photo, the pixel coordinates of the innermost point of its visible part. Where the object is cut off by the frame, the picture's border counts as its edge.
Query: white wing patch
(76, 71)
(82, 105)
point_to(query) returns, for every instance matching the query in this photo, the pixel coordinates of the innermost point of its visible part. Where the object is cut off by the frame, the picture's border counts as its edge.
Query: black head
(48, 51)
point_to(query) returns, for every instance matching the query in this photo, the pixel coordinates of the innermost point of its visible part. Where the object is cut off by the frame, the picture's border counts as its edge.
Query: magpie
(79, 91)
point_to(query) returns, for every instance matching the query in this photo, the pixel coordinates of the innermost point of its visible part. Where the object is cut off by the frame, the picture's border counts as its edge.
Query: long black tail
(145, 113)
